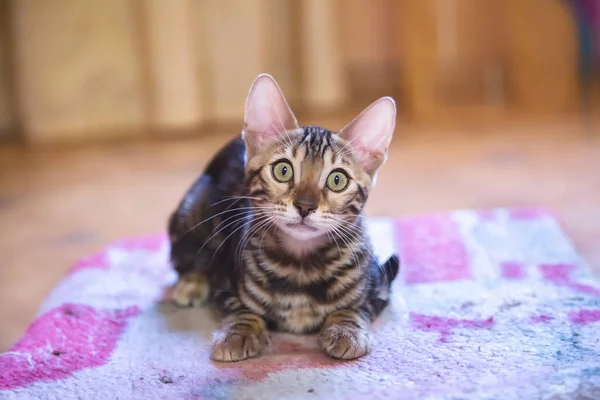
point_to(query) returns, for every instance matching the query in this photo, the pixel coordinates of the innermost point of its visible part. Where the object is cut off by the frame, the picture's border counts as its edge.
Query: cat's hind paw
(191, 290)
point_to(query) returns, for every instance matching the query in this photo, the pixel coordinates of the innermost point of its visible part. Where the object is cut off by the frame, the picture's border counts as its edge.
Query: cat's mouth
(302, 227)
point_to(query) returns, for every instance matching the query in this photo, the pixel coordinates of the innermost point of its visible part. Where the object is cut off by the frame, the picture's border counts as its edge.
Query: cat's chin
(301, 231)
(299, 240)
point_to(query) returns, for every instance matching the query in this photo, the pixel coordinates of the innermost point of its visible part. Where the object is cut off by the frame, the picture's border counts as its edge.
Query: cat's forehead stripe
(316, 141)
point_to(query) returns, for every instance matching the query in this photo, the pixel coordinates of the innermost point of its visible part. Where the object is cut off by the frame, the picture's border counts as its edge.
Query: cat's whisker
(333, 238)
(361, 232)
(257, 222)
(351, 227)
(266, 224)
(221, 213)
(248, 235)
(251, 198)
(246, 239)
(283, 130)
(346, 149)
(281, 139)
(347, 242)
(224, 240)
(241, 214)
(356, 254)
(267, 229)
(283, 126)
(238, 198)
(349, 142)
(340, 224)
(241, 218)
(330, 216)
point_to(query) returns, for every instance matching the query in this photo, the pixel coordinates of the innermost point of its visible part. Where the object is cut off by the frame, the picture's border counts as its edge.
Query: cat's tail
(391, 268)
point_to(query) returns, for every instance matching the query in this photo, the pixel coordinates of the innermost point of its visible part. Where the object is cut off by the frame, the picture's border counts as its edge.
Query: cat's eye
(337, 181)
(283, 171)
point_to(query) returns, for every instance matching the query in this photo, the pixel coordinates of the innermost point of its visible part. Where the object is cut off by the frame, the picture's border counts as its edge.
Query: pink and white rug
(496, 304)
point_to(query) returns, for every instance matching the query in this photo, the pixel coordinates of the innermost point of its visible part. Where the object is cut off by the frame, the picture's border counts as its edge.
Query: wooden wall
(7, 115)
(499, 55)
(542, 62)
(83, 70)
(78, 68)
(89, 70)
(369, 47)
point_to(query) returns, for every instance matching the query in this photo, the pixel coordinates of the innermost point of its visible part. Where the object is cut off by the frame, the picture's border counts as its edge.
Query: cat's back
(214, 193)
(222, 177)
(227, 165)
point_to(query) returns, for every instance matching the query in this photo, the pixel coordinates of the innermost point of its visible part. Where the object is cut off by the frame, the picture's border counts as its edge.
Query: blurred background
(78, 71)
(109, 109)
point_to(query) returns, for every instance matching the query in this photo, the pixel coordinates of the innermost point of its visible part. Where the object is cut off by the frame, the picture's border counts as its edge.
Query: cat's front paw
(191, 290)
(238, 345)
(345, 343)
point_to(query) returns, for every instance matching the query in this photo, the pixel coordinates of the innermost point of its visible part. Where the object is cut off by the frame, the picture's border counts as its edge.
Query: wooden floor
(59, 204)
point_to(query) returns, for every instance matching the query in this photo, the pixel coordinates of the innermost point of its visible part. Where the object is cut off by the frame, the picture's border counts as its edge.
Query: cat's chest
(297, 313)
(292, 311)
(296, 295)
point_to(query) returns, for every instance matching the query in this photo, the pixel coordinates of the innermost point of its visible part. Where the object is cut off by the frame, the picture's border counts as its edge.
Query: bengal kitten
(273, 232)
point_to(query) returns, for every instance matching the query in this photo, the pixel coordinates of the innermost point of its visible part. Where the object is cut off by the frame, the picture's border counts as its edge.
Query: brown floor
(59, 204)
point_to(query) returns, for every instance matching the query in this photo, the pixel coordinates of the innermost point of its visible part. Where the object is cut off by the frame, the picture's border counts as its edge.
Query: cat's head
(308, 180)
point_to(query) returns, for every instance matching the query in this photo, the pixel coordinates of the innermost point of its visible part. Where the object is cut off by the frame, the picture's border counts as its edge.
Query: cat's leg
(242, 334)
(191, 290)
(346, 334)
(193, 287)
(187, 234)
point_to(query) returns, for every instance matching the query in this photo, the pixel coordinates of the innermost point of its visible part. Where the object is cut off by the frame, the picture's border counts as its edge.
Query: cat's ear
(267, 115)
(369, 135)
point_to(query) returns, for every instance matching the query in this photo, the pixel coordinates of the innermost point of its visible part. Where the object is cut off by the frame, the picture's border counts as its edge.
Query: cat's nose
(305, 207)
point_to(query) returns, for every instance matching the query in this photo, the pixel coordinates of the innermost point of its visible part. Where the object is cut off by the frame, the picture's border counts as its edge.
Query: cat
(273, 233)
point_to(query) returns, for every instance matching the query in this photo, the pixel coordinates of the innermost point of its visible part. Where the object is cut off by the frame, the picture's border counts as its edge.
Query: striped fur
(230, 245)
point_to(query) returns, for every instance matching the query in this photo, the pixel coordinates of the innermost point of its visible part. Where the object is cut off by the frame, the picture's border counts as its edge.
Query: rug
(488, 305)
